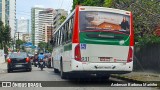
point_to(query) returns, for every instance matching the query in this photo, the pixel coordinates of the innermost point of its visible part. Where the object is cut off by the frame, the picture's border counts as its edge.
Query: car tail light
(77, 53)
(27, 59)
(130, 55)
(9, 61)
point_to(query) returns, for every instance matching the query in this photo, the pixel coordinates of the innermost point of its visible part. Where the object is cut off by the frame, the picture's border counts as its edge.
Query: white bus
(94, 40)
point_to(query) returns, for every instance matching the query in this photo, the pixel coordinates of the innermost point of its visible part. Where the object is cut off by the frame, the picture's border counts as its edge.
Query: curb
(133, 80)
(2, 69)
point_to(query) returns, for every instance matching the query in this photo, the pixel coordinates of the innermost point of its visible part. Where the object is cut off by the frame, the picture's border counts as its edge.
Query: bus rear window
(98, 20)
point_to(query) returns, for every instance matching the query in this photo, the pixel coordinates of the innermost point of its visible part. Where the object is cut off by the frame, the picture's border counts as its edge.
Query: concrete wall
(2, 58)
(147, 58)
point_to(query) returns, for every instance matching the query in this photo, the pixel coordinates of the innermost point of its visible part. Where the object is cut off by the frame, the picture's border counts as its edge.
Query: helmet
(41, 52)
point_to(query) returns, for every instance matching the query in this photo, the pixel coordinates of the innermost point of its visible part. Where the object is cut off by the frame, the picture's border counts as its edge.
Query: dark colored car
(19, 60)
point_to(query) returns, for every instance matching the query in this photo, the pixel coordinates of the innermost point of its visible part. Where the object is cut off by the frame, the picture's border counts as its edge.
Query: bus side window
(67, 31)
(56, 38)
(63, 35)
(71, 27)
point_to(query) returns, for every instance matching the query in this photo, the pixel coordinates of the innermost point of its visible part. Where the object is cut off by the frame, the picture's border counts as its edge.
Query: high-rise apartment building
(41, 20)
(45, 17)
(56, 20)
(35, 24)
(8, 14)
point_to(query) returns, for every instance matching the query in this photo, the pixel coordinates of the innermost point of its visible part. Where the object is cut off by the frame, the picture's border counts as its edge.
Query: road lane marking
(47, 71)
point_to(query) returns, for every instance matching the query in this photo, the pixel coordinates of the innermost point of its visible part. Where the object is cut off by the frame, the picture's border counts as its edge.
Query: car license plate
(18, 65)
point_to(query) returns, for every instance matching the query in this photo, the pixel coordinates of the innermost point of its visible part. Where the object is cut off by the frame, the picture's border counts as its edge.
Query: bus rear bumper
(100, 72)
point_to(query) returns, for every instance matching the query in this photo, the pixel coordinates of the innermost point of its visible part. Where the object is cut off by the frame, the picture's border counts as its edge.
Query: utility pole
(51, 40)
(18, 47)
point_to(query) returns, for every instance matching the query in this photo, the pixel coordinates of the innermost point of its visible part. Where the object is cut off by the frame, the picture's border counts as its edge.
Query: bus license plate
(104, 58)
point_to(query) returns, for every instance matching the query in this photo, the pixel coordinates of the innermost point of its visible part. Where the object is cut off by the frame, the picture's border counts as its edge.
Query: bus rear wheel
(56, 70)
(103, 76)
(63, 74)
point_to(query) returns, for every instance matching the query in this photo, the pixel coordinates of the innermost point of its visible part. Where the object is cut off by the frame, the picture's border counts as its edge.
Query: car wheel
(56, 70)
(8, 70)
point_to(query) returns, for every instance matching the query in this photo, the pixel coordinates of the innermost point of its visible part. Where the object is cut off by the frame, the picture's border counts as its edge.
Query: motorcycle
(36, 63)
(41, 64)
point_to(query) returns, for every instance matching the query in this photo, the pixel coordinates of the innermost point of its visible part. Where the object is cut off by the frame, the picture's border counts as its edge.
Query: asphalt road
(63, 84)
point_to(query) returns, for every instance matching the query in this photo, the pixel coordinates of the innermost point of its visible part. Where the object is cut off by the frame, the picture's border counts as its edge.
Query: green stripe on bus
(68, 47)
(90, 40)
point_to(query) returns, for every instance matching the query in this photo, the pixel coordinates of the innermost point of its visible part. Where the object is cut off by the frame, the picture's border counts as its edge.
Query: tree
(87, 3)
(1, 34)
(62, 19)
(42, 45)
(4, 36)
(19, 42)
(46, 46)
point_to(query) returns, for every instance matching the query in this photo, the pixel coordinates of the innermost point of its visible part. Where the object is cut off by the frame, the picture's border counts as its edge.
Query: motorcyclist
(40, 57)
(35, 59)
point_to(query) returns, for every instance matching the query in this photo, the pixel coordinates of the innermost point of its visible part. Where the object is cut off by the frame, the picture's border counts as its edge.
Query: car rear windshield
(18, 55)
(100, 20)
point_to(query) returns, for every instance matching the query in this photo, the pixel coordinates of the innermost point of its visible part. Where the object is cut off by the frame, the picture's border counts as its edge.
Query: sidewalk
(140, 77)
(3, 67)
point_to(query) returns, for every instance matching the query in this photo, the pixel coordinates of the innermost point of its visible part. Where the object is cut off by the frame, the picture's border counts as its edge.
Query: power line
(61, 4)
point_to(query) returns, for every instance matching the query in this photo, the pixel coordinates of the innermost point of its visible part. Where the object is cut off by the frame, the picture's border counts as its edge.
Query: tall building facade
(45, 17)
(43, 20)
(8, 14)
(34, 24)
(56, 19)
(48, 32)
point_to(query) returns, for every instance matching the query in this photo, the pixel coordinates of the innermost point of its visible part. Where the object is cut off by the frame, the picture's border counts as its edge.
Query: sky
(23, 8)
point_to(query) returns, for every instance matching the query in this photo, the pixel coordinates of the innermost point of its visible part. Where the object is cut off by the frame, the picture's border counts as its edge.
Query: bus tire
(56, 70)
(63, 74)
(103, 76)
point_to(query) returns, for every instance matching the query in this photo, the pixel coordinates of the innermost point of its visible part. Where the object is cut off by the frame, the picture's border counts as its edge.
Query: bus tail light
(77, 53)
(27, 59)
(9, 61)
(130, 55)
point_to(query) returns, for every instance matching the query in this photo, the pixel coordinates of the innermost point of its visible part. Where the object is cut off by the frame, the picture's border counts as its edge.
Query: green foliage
(108, 3)
(18, 43)
(42, 45)
(4, 36)
(87, 3)
(46, 46)
(62, 19)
